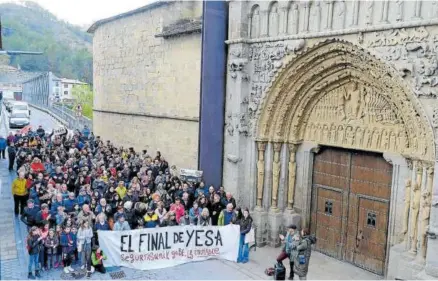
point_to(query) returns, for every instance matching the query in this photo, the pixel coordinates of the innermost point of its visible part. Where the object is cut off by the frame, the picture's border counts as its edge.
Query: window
(328, 208)
(65, 93)
(371, 219)
(57, 84)
(65, 86)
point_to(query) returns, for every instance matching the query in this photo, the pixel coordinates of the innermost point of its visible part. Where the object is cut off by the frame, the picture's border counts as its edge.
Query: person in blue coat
(70, 203)
(86, 132)
(3, 145)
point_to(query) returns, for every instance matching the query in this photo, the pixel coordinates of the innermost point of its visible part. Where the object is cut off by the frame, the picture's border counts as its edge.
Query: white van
(20, 107)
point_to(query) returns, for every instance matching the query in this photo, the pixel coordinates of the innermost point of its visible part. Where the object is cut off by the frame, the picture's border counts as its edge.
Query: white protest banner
(191, 175)
(60, 131)
(163, 247)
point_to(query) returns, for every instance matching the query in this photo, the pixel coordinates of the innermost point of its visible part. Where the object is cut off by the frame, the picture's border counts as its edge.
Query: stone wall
(147, 86)
(266, 40)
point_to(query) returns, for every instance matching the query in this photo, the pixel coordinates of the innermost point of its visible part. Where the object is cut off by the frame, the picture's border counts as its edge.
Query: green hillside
(67, 48)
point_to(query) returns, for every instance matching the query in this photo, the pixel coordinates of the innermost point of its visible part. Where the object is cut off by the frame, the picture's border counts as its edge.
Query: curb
(63, 122)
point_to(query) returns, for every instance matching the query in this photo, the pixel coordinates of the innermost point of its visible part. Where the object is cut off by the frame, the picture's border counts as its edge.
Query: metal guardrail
(74, 121)
(65, 116)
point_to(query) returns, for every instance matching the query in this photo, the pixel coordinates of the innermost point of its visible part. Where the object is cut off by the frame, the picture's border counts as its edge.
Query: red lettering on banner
(167, 255)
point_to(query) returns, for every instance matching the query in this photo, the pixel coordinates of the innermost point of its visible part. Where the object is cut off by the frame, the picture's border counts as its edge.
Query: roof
(184, 26)
(10, 74)
(148, 7)
(72, 81)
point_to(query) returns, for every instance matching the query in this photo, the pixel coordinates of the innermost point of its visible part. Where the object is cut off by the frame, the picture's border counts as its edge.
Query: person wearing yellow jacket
(19, 191)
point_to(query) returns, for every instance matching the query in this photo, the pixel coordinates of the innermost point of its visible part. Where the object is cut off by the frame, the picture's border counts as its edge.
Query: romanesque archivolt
(337, 94)
(356, 116)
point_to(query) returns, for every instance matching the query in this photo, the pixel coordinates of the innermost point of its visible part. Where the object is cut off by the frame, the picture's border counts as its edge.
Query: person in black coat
(33, 243)
(30, 213)
(215, 209)
(12, 152)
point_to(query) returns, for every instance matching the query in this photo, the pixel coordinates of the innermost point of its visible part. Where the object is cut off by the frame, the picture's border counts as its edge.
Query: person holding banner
(97, 258)
(245, 228)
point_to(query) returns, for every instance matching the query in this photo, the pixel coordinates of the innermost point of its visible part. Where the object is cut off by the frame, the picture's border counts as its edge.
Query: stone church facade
(331, 117)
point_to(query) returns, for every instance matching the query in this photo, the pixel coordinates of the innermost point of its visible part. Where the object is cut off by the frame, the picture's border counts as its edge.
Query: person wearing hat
(19, 191)
(291, 240)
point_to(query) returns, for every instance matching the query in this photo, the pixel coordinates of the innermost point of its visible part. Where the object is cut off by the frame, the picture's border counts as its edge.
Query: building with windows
(66, 88)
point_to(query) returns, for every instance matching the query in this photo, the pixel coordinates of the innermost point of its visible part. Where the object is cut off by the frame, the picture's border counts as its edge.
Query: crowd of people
(67, 189)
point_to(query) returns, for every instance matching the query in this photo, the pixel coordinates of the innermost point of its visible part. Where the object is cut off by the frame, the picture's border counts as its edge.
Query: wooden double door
(350, 206)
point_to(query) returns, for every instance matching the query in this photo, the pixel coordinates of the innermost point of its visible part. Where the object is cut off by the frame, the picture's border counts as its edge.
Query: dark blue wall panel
(213, 78)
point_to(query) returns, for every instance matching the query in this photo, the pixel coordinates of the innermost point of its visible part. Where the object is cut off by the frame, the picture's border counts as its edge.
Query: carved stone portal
(339, 95)
(357, 116)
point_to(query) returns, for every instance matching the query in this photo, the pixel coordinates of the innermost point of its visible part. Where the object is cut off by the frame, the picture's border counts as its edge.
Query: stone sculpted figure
(406, 209)
(414, 221)
(425, 215)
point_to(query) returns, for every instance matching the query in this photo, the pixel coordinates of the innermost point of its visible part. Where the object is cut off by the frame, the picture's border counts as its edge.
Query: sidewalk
(321, 267)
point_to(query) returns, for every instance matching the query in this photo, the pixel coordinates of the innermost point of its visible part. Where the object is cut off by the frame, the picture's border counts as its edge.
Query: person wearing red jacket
(37, 166)
(178, 209)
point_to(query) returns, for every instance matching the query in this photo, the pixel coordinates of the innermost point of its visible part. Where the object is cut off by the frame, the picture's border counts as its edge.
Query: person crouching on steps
(97, 258)
(291, 240)
(34, 241)
(67, 244)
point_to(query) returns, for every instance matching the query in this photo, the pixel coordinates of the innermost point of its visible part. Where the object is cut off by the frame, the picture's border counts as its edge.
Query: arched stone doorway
(335, 94)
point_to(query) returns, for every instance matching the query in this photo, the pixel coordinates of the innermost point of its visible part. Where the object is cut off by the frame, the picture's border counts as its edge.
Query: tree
(83, 95)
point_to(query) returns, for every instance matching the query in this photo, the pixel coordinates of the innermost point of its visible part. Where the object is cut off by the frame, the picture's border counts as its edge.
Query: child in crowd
(51, 247)
(67, 243)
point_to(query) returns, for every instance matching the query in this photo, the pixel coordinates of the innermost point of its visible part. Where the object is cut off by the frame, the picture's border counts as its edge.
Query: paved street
(14, 259)
(37, 118)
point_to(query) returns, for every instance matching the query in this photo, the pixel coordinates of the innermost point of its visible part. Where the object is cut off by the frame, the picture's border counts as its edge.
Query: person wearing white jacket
(84, 238)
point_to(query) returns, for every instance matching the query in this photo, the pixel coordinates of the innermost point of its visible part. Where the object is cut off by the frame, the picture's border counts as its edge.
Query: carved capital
(277, 146)
(261, 146)
(292, 148)
(316, 149)
(430, 171)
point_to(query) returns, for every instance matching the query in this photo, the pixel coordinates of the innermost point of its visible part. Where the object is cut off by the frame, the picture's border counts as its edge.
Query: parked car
(20, 106)
(18, 120)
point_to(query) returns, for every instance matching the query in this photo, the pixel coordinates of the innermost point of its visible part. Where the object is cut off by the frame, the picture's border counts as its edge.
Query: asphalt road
(36, 118)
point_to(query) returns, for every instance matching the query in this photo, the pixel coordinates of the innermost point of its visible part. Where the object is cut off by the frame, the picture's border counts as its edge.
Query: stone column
(355, 17)
(275, 176)
(283, 21)
(415, 209)
(425, 211)
(329, 22)
(306, 16)
(264, 23)
(432, 243)
(384, 11)
(292, 176)
(261, 147)
(417, 10)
